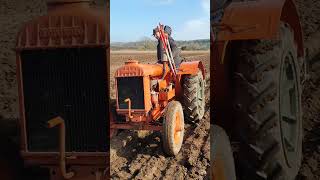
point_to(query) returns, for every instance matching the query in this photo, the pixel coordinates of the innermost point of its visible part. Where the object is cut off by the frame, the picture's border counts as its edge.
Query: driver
(160, 51)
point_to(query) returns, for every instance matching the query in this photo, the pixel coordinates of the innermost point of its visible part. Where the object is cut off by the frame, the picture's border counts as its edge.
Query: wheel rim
(200, 95)
(219, 170)
(289, 109)
(177, 128)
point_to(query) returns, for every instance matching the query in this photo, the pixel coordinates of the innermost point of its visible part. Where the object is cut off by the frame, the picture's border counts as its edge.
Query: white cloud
(197, 28)
(194, 29)
(206, 6)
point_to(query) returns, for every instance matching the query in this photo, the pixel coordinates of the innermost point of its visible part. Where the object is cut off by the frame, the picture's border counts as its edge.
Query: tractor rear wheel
(222, 157)
(173, 128)
(268, 103)
(194, 96)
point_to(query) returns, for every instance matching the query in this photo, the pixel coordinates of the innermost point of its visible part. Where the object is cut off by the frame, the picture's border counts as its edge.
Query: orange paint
(66, 25)
(177, 128)
(134, 68)
(167, 96)
(259, 20)
(192, 68)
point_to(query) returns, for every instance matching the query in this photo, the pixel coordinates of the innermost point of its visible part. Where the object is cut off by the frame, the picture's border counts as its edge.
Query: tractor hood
(68, 23)
(134, 68)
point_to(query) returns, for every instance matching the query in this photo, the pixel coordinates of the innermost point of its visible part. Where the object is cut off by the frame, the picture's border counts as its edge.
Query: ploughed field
(309, 12)
(139, 155)
(127, 154)
(310, 168)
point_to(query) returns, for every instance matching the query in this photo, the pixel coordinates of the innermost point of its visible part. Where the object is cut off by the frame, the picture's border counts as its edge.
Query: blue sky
(131, 20)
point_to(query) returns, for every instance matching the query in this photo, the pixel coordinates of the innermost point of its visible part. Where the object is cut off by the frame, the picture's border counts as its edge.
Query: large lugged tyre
(222, 156)
(194, 96)
(268, 108)
(173, 128)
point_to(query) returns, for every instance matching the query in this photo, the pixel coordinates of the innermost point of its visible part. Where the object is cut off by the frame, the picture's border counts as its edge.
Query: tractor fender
(259, 20)
(192, 67)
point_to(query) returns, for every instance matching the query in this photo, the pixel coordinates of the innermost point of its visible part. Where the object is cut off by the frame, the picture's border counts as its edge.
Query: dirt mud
(138, 154)
(310, 168)
(134, 154)
(309, 12)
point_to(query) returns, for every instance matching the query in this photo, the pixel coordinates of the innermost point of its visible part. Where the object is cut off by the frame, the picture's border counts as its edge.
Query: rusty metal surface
(70, 25)
(250, 20)
(191, 68)
(58, 121)
(67, 26)
(221, 89)
(134, 68)
(137, 126)
(81, 173)
(22, 119)
(290, 15)
(52, 158)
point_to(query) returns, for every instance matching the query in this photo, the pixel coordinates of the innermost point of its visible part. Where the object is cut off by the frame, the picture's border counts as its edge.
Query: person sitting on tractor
(174, 48)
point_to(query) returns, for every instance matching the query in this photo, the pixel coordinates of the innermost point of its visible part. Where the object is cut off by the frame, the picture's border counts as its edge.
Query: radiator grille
(71, 83)
(130, 87)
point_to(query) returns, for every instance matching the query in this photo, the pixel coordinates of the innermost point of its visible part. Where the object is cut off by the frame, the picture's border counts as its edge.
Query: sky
(132, 20)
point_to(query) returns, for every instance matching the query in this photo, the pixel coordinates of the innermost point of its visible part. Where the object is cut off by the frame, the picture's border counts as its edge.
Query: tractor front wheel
(222, 157)
(173, 128)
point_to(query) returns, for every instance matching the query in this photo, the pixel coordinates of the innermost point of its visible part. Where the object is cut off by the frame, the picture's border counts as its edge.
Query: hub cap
(177, 129)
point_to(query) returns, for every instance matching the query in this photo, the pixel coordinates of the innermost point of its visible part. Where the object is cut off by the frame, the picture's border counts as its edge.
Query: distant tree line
(149, 44)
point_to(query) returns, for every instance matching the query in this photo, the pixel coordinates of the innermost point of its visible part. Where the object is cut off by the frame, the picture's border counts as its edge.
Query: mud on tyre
(268, 108)
(193, 96)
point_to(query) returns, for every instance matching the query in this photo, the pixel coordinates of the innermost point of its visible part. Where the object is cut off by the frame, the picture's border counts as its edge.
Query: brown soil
(138, 154)
(309, 11)
(15, 12)
(310, 168)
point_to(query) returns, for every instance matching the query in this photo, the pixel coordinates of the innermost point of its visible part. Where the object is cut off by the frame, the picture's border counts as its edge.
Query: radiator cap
(131, 61)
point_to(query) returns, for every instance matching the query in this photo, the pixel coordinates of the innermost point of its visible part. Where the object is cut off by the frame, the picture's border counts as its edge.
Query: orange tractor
(158, 97)
(258, 66)
(63, 91)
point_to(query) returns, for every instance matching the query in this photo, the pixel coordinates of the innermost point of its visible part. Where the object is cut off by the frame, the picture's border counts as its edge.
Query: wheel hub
(177, 129)
(289, 109)
(200, 95)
